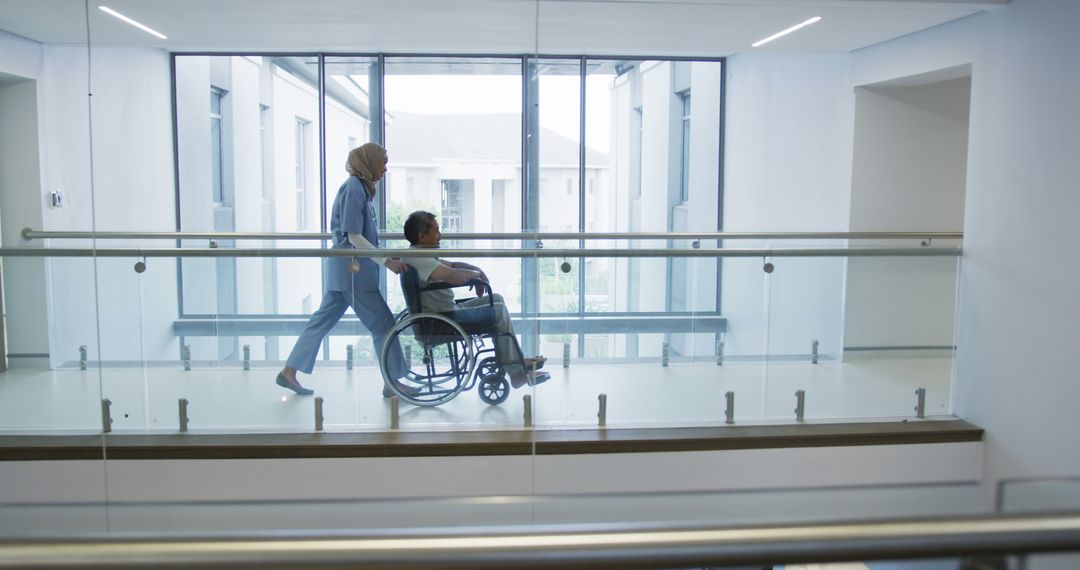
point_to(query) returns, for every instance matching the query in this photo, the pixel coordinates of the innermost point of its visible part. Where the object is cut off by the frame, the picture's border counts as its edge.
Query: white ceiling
(629, 27)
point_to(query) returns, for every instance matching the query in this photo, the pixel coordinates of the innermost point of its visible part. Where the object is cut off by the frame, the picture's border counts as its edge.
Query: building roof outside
(417, 139)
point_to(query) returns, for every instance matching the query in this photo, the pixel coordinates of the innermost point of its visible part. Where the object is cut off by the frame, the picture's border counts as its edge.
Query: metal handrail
(30, 234)
(487, 253)
(610, 546)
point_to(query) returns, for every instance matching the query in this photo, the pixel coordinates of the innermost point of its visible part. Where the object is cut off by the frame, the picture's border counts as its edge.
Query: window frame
(378, 118)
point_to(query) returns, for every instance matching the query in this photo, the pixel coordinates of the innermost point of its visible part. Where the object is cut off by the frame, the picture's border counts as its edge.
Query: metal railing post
(106, 415)
(183, 414)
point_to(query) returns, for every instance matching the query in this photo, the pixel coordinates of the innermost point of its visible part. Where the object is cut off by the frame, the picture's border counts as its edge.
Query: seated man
(422, 230)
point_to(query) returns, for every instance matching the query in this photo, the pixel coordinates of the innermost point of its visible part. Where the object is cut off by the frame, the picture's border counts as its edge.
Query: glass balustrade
(52, 382)
(873, 329)
(669, 333)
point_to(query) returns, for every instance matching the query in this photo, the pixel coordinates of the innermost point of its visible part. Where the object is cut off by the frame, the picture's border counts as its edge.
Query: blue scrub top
(353, 213)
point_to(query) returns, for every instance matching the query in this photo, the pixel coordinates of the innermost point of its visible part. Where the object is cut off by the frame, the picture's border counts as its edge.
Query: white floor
(227, 398)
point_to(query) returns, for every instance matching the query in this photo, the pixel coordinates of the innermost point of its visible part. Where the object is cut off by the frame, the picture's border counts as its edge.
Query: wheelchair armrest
(438, 285)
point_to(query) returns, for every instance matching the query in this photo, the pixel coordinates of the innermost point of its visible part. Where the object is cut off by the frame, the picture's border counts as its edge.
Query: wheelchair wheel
(493, 389)
(439, 357)
(488, 366)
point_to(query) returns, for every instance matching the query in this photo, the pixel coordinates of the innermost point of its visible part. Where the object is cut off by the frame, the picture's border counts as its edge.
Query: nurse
(353, 222)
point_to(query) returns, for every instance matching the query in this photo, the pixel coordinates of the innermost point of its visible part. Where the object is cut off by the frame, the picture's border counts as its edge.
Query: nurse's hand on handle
(395, 265)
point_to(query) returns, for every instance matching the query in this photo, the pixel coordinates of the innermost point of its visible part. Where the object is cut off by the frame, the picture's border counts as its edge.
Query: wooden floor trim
(478, 443)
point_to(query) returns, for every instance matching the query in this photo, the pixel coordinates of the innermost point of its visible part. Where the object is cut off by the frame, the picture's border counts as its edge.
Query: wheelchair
(446, 355)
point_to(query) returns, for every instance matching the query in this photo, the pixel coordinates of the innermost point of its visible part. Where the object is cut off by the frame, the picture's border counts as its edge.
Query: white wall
(910, 158)
(1018, 310)
(24, 278)
(21, 206)
(787, 167)
(19, 56)
(366, 478)
(132, 191)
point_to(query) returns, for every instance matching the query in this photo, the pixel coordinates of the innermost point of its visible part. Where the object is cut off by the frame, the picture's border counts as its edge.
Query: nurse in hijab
(354, 225)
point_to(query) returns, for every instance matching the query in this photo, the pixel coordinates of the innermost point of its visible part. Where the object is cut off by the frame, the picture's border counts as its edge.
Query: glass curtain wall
(261, 144)
(351, 110)
(248, 160)
(489, 145)
(453, 135)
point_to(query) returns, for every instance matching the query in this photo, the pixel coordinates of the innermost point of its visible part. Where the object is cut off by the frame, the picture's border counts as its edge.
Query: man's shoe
(538, 378)
(408, 390)
(294, 386)
(531, 378)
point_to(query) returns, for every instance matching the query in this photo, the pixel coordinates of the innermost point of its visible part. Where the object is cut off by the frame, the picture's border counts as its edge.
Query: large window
(488, 144)
(237, 171)
(453, 133)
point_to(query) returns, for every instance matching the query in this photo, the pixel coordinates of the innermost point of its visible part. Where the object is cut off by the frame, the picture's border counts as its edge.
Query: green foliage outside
(396, 214)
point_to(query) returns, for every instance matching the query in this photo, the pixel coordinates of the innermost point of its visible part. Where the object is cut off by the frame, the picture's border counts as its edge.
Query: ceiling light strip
(786, 32)
(142, 27)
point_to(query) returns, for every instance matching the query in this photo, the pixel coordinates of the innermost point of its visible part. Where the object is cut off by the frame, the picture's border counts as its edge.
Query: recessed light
(142, 27)
(786, 32)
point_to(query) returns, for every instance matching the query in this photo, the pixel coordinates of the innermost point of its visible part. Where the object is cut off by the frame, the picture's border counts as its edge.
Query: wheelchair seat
(475, 320)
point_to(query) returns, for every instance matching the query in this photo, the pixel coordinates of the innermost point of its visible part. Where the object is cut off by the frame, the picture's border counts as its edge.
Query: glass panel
(560, 291)
(647, 360)
(137, 346)
(806, 317)
(351, 100)
(650, 152)
(559, 111)
(248, 152)
(49, 326)
(859, 335)
(743, 348)
(453, 132)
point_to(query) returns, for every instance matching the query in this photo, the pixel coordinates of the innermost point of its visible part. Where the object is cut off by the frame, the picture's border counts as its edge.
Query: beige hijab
(362, 161)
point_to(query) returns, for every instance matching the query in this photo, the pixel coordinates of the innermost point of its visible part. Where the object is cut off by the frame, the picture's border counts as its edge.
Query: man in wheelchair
(422, 230)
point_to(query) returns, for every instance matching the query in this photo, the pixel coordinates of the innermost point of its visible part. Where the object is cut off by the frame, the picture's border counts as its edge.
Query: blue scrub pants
(373, 312)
